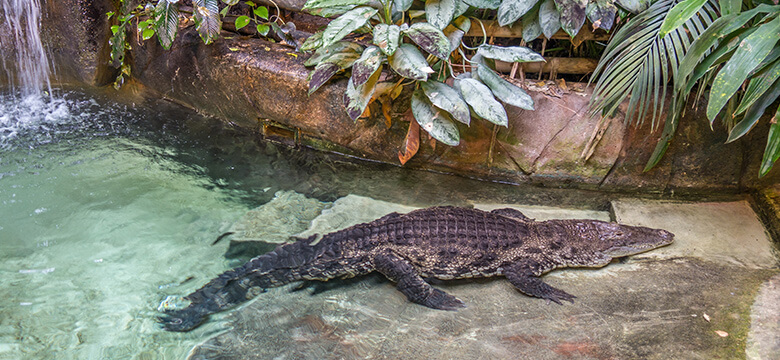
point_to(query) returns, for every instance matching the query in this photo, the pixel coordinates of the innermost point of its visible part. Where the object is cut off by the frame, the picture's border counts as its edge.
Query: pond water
(106, 207)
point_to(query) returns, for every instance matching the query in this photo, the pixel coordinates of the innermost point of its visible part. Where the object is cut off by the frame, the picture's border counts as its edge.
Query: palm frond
(639, 64)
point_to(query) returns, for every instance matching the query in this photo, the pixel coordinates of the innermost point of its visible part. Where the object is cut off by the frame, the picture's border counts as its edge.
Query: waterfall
(28, 66)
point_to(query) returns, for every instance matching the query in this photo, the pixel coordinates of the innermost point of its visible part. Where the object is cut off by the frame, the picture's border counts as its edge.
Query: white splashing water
(30, 70)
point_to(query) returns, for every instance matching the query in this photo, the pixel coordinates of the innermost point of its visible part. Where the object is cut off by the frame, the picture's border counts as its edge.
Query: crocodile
(441, 243)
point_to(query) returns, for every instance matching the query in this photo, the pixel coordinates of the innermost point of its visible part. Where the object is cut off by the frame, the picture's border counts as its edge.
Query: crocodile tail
(279, 267)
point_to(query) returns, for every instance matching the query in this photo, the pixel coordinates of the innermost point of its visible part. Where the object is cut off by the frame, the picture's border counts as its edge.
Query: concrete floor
(713, 294)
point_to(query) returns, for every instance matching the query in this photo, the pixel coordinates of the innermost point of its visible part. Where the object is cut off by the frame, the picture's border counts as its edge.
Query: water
(106, 207)
(20, 32)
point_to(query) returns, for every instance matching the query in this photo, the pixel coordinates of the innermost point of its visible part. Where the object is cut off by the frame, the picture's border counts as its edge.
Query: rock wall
(262, 85)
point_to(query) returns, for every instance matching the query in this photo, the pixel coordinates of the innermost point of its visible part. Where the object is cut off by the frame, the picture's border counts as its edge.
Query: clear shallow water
(106, 207)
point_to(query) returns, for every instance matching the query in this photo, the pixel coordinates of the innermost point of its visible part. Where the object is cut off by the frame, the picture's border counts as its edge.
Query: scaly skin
(440, 242)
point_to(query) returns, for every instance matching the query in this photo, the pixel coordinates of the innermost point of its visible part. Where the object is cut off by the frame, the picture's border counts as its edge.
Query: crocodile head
(617, 240)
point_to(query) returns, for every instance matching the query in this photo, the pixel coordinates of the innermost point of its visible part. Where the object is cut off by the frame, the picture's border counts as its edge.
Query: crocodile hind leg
(412, 285)
(530, 284)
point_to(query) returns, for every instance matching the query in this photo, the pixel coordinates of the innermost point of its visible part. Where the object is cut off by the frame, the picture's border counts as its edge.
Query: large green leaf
(481, 99)
(754, 113)
(166, 19)
(772, 151)
(531, 27)
(549, 18)
(572, 15)
(601, 13)
(368, 63)
(342, 47)
(207, 20)
(318, 4)
(728, 7)
(504, 90)
(439, 13)
(436, 122)
(410, 63)
(747, 56)
(430, 39)
(484, 4)
(511, 10)
(509, 53)
(345, 24)
(679, 14)
(387, 37)
(447, 99)
(758, 85)
(357, 97)
(329, 12)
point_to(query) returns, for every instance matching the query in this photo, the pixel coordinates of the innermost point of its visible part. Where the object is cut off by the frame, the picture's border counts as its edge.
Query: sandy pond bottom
(106, 209)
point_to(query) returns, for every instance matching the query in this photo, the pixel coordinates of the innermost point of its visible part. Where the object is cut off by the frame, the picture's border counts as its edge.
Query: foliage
(442, 97)
(162, 17)
(735, 53)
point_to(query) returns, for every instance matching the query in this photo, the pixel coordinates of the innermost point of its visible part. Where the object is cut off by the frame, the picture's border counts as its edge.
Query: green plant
(732, 52)
(442, 96)
(161, 17)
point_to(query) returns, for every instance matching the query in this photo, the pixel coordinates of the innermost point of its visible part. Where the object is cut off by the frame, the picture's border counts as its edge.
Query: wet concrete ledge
(262, 86)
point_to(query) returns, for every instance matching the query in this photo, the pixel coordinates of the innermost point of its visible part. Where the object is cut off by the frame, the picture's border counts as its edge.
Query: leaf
(758, 85)
(263, 29)
(448, 99)
(322, 54)
(230, 2)
(321, 74)
(482, 101)
(511, 10)
(601, 13)
(747, 56)
(147, 33)
(328, 12)
(484, 4)
(410, 63)
(318, 4)
(166, 19)
(772, 150)
(358, 97)
(504, 90)
(386, 37)
(679, 14)
(634, 6)
(207, 20)
(509, 53)
(368, 63)
(754, 113)
(411, 143)
(261, 12)
(312, 42)
(572, 15)
(549, 18)
(436, 122)
(429, 39)
(637, 63)
(402, 5)
(242, 21)
(531, 27)
(728, 7)
(345, 24)
(439, 13)
(460, 9)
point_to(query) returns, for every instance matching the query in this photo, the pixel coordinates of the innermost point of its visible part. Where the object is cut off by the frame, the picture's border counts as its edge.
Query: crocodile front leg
(523, 276)
(412, 285)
